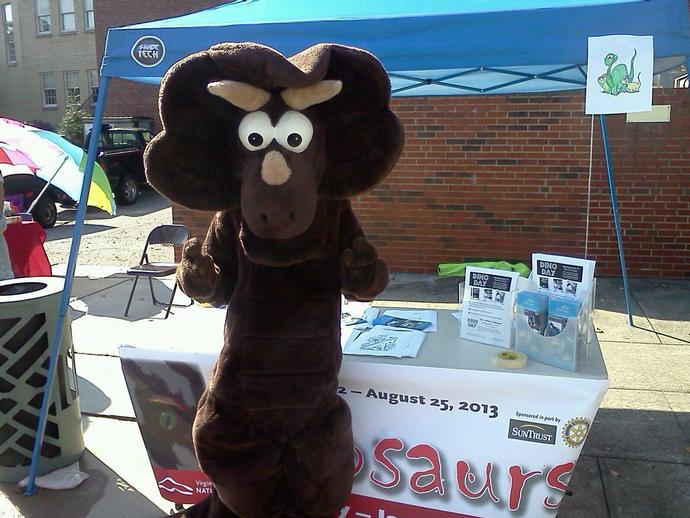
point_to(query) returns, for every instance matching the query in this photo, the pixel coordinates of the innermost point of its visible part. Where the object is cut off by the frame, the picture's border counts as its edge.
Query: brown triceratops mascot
(276, 145)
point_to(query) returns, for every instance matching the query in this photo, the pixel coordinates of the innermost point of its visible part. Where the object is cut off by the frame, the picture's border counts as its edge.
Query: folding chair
(161, 235)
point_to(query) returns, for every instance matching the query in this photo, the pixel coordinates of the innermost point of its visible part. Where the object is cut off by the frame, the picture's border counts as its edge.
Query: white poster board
(619, 74)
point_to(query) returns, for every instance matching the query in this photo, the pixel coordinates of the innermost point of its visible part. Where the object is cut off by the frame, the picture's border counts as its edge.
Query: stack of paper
(487, 314)
(397, 333)
(569, 277)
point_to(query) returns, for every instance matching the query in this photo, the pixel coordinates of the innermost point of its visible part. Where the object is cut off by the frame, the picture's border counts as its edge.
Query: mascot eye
(294, 139)
(255, 139)
(256, 131)
(294, 131)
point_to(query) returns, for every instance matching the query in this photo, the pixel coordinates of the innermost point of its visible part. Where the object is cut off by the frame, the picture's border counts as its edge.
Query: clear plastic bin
(568, 350)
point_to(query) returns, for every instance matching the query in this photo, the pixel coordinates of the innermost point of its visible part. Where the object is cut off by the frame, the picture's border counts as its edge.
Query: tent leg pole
(69, 277)
(616, 218)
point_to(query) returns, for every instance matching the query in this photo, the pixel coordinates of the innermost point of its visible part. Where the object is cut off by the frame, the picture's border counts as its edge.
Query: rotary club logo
(575, 431)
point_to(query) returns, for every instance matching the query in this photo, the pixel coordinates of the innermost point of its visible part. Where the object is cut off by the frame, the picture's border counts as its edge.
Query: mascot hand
(196, 273)
(362, 273)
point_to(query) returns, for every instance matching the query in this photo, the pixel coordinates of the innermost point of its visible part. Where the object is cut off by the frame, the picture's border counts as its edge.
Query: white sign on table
(488, 303)
(619, 74)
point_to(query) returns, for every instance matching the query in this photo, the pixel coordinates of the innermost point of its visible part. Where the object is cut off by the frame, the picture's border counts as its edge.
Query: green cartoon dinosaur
(618, 79)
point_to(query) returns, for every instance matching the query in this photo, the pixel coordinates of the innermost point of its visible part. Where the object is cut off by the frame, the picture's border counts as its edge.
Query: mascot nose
(278, 218)
(274, 169)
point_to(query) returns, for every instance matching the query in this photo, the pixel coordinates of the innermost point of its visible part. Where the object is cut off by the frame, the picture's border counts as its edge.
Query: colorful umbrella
(59, 162)
(100, 194)
(12, 156)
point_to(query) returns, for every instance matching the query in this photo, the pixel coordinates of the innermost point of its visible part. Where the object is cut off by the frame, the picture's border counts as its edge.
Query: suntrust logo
(531, 432)
(148, 51)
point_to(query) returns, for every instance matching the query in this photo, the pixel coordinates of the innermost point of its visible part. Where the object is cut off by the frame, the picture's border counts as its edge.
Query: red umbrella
(13, 156)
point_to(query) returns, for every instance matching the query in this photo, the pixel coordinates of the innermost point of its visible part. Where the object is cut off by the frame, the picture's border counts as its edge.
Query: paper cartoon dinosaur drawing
(618, 79)
(379, 343)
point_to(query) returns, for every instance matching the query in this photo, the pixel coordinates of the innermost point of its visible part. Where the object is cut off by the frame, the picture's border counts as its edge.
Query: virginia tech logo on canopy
(148, 51)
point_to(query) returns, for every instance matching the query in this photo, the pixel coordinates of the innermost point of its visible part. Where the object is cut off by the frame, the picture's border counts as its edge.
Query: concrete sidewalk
(636, 461)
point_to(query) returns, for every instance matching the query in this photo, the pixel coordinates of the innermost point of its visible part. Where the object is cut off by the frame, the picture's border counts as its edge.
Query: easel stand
(616, 218)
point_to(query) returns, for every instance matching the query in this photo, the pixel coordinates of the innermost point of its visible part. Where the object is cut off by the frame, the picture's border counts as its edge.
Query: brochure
(428, 315)
(404, 323)
(488, 302)
(562, 276)
(385, 341)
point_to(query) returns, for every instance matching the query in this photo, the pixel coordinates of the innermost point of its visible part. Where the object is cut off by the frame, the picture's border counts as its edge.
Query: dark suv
(121, 155)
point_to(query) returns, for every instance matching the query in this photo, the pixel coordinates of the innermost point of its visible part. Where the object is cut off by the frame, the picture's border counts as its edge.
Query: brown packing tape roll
(509, 360)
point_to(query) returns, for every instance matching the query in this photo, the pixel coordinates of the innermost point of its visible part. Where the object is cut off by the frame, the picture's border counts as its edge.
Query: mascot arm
(208, 270)
(362, 273)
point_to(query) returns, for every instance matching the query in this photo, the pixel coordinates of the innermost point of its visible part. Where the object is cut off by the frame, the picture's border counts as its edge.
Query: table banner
(435, 442)
(429, 442)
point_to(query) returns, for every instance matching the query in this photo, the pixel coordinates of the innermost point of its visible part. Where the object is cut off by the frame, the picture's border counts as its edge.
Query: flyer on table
(558, 275)
(487, 315)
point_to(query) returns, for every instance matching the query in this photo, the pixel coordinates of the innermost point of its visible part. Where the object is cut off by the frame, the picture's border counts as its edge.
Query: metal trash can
(28, 315)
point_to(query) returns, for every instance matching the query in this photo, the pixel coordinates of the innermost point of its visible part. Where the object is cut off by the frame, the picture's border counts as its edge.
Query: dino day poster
(619, 74)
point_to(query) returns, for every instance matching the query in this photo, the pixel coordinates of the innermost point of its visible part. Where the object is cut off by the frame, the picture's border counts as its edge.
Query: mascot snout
(277, 202)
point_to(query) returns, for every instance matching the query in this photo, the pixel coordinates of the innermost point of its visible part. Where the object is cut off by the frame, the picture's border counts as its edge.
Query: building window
(93, 86)
(43, 17)
(676, 77)
(67, 16)
(89, 22)
(72, 94)
(49, 90)
(8, 30)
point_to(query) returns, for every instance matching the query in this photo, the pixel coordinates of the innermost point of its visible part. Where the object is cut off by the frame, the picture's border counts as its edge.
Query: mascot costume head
(277, 146)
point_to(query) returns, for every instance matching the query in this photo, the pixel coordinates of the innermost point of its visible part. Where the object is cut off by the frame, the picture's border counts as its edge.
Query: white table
(429, 431)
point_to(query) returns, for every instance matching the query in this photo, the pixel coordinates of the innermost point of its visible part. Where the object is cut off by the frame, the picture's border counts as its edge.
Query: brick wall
(503, 176)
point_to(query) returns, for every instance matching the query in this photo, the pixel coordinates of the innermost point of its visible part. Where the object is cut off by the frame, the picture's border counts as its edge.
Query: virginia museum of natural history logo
(148, 51)
(532, 432)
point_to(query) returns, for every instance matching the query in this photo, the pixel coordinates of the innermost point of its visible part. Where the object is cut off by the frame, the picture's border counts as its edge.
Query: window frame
(40, 16)
(44, 75)
(91, 11)
(63, 14)
(69, 98)
(8, 35)
(91, 75)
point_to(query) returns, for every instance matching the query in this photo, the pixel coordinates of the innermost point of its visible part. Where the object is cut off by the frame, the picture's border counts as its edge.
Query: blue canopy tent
(441, 47)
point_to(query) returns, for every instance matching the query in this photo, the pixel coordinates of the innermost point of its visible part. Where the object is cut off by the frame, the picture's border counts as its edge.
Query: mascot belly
(276, 146)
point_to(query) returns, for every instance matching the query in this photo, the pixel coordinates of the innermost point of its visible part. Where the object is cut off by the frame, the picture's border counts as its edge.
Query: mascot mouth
(279, 221)
(309, 244)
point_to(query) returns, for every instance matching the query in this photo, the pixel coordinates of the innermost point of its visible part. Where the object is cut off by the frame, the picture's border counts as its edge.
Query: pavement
(635, 462)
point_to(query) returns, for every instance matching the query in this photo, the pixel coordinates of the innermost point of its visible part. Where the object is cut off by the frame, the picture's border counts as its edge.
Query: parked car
(121, 155)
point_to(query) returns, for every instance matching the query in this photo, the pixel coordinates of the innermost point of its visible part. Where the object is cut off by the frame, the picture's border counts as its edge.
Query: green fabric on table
(458, 269)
